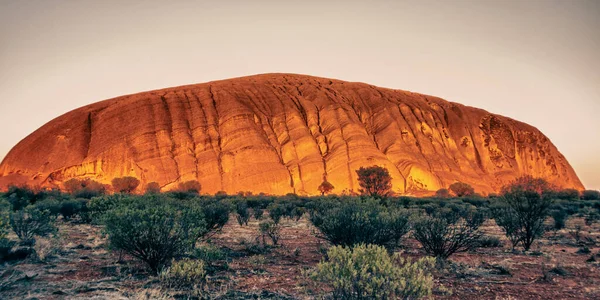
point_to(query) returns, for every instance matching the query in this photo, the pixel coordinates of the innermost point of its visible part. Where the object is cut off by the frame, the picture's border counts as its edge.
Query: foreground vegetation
(171, 234)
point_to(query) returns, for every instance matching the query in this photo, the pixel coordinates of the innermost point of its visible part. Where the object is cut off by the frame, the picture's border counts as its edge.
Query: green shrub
(350, 222)
(489, 242)
(31, 222)
(270, 229)
(443, 235)
(527, 203)
(184, 274)
(276, 211)
(70, 208)
(241, 213)
(461, 189)
(258, 213)
(52, 205)
(155, 234)
(590, 195)
(369, 272)
(216, 213)
(209, 254)
(559, 217)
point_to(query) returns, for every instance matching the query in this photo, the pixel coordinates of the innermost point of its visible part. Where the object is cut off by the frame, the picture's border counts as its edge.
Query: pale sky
(536, 61)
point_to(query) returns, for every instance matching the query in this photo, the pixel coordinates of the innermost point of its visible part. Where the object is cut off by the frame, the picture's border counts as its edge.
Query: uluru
(285, 133)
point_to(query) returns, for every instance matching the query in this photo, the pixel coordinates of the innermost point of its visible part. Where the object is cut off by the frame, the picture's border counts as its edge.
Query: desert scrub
(270, 229)
(31, 222)
(369, 272)
(184, 274)
(354, 221)
(155, 234)
(442, 235)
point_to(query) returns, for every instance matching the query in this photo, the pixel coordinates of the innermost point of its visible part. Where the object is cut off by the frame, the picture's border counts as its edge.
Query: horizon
(60, 56)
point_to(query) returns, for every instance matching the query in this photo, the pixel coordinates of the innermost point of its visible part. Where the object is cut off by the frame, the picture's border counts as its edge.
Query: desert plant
(52, 205)
(590, 195)
(270, 229)
(155, 234)
(191, 186)
(69, 209)
(216, 214)
(527, 204)
(352, 222)
(241, 213)
(489, 242)
(325, 188)
(374, 181)
(442, 235)
(461, 189)
(568, 194)
(184, 274)
(369, 272)
(442, 193)
(509, 222)
(559, 217)
(257, 213)
(276, 211)
(31, 222)
(125, 184)
(86, 188)
(152, 188)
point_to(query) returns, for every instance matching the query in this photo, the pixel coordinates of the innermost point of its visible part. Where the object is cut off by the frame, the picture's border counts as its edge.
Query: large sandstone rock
(282, 133)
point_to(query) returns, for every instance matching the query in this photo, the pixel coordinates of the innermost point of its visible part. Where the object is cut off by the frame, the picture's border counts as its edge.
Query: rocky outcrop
(282, 133)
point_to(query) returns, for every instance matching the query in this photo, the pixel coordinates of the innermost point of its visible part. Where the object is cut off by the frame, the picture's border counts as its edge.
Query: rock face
(283, 133)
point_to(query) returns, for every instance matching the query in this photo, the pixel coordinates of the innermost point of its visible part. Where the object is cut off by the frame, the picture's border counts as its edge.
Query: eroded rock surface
(282, 133)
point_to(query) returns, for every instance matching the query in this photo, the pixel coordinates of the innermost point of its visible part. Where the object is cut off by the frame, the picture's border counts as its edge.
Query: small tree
(590, 195)
(325, 188)
(442, 193)
(528, 200)
(153, 188)
(442, 235)
(125, 185)
(242, 214)
(192, 187)
(155, 234)
(461, 189)
(374, 181)
(369, 272)
(31, 222)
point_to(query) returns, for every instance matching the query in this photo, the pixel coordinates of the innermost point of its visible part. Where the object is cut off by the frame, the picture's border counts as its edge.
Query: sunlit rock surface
(282, 133)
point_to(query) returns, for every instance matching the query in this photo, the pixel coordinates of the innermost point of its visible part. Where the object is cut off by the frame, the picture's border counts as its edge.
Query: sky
(536, 61)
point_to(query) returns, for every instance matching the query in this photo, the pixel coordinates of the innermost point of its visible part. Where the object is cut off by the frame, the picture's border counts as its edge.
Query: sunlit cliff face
(282, 133)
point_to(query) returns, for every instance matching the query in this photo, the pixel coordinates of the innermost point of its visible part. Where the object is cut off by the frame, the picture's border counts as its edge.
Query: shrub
(442, 193)
(559, 217)
(461, 189)
(209, 254)
(70, 208)
(325, 188)
(31, 222)
(86, 188)
(125, 184)
(216, 214)
(590, 195)
(20, 196)
(155, 234)
(184, 274)
(241, 213)
(352, 222)
(276, 211)
(527, 204)
(152, 188)
(443, 235)
(258, 213)
(369, 272)
(52, 205)
(374, 181)
(568, 194)
(192, 187)
(271, 230)
(489, 242)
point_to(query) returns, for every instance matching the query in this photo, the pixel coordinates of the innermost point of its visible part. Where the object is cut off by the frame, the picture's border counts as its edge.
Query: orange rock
(280, 133)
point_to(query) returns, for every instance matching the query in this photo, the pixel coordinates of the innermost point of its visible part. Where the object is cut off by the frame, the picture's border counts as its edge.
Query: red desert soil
(85, 269)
